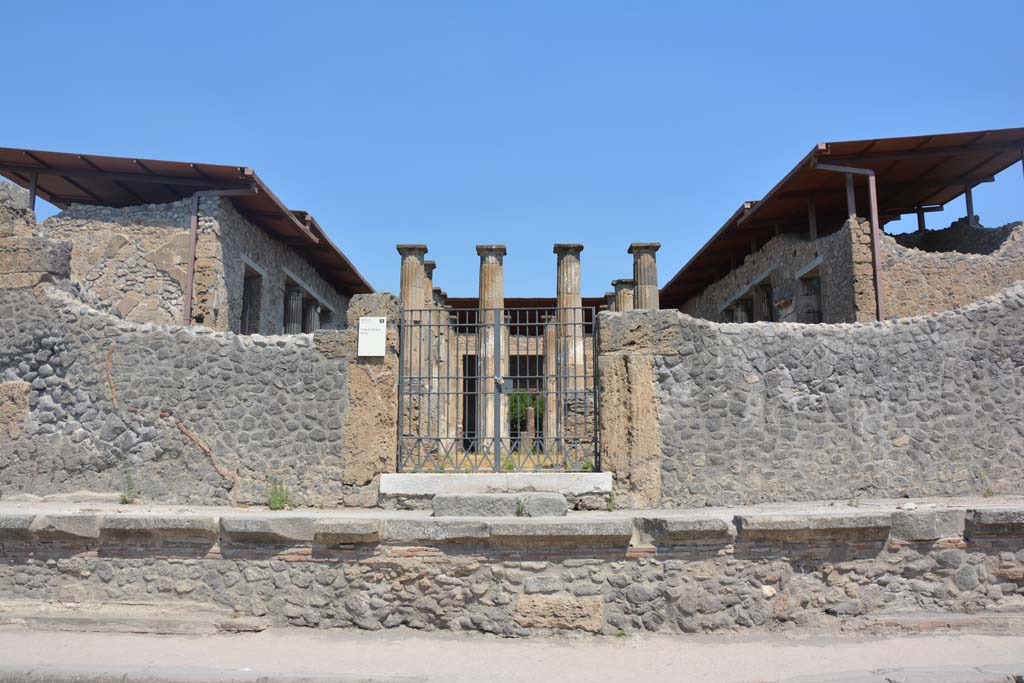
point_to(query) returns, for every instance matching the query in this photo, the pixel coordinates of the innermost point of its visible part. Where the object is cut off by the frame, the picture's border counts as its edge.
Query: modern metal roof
(64, 179)
(922, 172)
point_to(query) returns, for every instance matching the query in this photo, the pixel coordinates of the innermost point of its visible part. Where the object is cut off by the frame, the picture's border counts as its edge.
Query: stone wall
(940, 270)
(845, 257)
(89, 401)
(852, 569)
(775, 412)
(133, 260)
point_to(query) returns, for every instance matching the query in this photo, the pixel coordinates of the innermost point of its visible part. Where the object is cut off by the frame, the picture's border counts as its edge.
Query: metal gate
(489, 390)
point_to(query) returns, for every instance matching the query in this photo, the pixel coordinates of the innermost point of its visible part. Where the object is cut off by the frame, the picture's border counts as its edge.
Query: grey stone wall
(780, 412)
(524, 577)
(133, 261)
(170, 414)
(945, 269)
(843, 258)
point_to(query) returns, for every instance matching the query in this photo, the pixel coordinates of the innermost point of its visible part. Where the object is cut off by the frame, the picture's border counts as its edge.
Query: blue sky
(525, 123)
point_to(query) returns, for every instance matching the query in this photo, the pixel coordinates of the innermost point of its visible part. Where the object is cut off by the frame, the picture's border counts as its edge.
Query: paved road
(292, 655)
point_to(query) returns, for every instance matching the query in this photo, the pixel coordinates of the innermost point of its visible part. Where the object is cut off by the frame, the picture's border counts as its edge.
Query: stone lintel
(863, 526)
(138, 525)
(927, 525)
(272, 528)
(637, 247)
(567, 483)
(67, 526)
(345, 531)
(670, 530)
(416, 531)
(15, 526)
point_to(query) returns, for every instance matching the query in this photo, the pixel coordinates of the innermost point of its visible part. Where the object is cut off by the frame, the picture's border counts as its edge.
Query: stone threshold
(631, 531)
(569, 484)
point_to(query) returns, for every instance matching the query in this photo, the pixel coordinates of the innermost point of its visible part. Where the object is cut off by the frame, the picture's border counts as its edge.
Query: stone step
(178, 618)
(499, 505)
(583, 490)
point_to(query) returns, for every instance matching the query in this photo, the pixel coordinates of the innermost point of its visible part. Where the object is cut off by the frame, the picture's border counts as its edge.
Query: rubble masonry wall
(749, 413)
(133, 260)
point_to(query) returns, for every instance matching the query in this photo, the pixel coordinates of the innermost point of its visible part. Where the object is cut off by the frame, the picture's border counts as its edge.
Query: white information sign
(373, 335)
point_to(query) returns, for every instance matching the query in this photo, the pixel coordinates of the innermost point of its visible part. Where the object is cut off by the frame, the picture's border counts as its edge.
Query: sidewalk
(345, 657)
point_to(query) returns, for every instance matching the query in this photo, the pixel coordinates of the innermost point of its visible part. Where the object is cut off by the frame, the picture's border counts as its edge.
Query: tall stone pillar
(550, 421)
(624, 288)
(292, 310)
(428, 283)
(572, 375)
(414, 276)
(492, 353)
(645, 273)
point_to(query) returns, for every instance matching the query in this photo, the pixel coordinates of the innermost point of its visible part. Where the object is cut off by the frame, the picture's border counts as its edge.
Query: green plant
(277, 496)
(520, 507)
(611, 502)
(517, 405)
(620, 634)
(587, 466)
(127, 496)
(854, 502)
(508, 465)
(988, 492)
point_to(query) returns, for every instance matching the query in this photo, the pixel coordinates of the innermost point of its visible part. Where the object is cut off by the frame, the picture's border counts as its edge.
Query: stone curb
(644, 529)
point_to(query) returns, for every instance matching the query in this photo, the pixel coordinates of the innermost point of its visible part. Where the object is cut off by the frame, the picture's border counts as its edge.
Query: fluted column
(609, 301)
(624, 289)
(645, 273)
(491, 349)
(428, 283)
(570, 311)
(412, 292)
(311, 316)
(293, 310)
(550, 422)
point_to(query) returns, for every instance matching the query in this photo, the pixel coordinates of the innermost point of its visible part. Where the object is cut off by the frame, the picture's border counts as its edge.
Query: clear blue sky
(518, 122)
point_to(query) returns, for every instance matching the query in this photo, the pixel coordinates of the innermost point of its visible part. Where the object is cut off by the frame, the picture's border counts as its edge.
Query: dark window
(252, 289)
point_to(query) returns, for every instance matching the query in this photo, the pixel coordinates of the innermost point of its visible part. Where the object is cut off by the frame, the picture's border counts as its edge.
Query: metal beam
(126, 177)
(34, 179)
(962, 150)
(920, 220)
(969, 197)
(812, 219)
(193, 240)
(851, 198)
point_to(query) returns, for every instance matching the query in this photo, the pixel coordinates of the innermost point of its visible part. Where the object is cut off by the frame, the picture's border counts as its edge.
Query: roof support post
(34, 179)
(851, 198)
(193, 240)
(812, 219)
(876, 259)
(969, 197)
(876, 262)
(920, 220)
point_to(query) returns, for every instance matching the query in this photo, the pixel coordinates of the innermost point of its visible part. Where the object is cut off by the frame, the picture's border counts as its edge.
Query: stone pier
(645, 275)
(492, 352)
(414, 276)
(624, 288)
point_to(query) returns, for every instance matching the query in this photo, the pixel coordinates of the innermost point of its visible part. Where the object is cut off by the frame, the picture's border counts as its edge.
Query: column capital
(571, 248)
(491, 250)
(623, 282)
(637, 247)
(440, 296)
(429, 267)
(411, 249)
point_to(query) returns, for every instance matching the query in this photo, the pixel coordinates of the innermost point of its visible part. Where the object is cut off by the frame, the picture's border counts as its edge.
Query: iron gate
(498, 390)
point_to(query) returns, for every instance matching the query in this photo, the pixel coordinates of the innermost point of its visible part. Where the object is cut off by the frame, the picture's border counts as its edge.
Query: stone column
(311, 316)
(428, 283)
(292, 310)
(624, 288)
(609, 301)
(645, 273)
(550, 421)
(572, 375)
(414, 276)
(491, 350)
